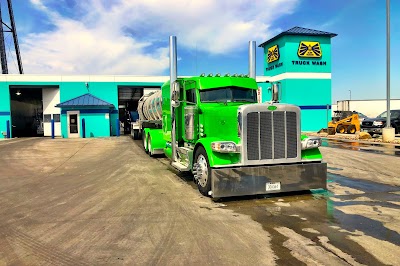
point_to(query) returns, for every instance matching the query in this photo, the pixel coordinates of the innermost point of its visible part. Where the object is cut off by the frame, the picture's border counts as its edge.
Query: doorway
(128, 98)
(26, 111)
(73, 124)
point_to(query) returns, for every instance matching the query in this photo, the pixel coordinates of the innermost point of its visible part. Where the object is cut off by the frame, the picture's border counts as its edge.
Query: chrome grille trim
(276, 136)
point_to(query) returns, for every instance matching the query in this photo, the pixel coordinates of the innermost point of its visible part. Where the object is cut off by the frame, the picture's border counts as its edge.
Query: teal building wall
(305, 81)
(4, 108)
(96, 123)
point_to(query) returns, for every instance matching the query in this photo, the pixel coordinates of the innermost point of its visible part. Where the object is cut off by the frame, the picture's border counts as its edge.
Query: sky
(130, 37)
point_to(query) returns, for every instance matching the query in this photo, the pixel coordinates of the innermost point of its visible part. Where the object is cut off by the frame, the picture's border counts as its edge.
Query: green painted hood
(220, 120)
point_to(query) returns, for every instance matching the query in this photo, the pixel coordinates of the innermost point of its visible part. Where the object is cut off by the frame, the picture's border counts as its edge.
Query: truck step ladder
(181, 167)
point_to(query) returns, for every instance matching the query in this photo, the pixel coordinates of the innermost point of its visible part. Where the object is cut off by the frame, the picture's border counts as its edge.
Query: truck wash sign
(273, 54)
(309, 49)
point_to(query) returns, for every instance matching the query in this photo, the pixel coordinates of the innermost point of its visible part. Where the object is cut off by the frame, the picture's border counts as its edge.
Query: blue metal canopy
(300, 31)
(85, 101)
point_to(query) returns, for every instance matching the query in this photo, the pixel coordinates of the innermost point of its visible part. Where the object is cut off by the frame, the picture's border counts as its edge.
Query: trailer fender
(156, 137)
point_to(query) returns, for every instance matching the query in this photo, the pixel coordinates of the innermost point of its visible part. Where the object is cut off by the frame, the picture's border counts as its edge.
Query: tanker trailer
(212, 126)
(150, 115)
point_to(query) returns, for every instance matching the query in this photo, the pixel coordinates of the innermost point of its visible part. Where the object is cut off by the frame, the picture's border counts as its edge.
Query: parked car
(361, 116)
(375, 125)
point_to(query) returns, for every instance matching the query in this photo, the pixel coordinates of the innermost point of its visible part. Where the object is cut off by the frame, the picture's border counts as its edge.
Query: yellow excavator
(344, 122)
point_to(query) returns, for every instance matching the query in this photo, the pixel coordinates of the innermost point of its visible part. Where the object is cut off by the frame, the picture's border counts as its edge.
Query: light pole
(350, 94)
(388, 132)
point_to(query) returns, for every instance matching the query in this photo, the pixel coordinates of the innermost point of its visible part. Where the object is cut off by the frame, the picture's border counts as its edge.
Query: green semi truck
(214, 127)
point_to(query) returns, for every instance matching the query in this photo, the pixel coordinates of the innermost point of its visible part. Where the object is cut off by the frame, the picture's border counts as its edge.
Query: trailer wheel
(149, 145)
(203, 172)
(145, 143)
(340, 129)
(351, 129)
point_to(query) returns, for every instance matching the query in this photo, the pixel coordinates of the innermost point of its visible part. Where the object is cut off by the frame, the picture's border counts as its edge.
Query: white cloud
(124, 37)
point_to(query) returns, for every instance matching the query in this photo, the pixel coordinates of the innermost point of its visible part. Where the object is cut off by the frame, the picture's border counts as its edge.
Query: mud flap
(253, 180)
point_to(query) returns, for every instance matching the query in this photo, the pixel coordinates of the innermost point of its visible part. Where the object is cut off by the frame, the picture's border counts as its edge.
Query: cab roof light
(210, 75)
(246, 76)
(218, 74)
(234, 75)
(203, 75)
(227, 75)
(241, 75)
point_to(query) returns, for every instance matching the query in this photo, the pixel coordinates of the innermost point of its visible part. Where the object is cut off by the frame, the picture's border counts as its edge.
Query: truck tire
(145, 143)
(204, 171)
(340, 129)
(351, 129)
(149, 145)
(136, 134)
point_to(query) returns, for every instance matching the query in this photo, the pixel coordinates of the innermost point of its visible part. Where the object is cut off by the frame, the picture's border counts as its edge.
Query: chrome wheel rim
(202, 170)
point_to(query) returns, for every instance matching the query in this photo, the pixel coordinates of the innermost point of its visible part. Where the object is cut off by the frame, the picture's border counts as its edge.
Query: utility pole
(388, 132)
(12, 29)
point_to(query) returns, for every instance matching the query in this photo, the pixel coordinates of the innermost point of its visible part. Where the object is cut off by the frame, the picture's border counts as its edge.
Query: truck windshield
(228, 94)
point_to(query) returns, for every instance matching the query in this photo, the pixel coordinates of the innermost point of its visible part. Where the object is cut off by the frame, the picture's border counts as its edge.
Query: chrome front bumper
(252, 180)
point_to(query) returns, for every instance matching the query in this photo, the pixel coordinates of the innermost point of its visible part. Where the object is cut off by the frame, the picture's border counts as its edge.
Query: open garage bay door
(32, 109)
(128, 98)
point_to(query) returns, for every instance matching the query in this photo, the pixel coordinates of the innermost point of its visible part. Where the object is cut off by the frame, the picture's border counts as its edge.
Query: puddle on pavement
(356, 146)
(317, 210)
(314, 214)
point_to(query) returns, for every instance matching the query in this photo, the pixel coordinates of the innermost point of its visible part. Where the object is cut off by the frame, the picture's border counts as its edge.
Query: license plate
(273, 186)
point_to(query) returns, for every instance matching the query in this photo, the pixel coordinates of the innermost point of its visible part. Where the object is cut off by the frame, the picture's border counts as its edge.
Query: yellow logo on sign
(309, 49)
(273, 54)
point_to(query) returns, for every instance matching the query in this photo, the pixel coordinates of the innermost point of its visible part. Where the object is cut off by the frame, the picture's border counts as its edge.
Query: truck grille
(271, 135)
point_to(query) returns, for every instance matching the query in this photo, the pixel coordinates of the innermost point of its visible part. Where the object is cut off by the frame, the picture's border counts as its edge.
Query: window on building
(56, 118)
(47, 118)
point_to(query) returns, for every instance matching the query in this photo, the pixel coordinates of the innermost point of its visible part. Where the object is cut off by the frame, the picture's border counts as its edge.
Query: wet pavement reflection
(393, 150)
(354, 221)
(316, 214)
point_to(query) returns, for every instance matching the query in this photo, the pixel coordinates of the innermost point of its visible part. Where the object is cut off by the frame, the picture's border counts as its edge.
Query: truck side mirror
(175, 91)
(275, 92)
(175, 94)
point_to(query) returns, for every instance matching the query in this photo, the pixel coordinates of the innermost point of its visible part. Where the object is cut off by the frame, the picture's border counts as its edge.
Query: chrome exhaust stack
(172, 79)
(252, 59)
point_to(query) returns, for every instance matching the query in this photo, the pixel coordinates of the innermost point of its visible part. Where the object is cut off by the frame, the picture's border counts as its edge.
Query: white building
(370, 108)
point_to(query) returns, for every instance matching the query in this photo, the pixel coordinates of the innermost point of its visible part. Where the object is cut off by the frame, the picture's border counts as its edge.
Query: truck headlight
(378, 123)
(224, 146)
(311, 143)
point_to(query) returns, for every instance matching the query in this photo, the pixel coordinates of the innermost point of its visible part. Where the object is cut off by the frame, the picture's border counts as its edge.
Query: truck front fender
(216, 158)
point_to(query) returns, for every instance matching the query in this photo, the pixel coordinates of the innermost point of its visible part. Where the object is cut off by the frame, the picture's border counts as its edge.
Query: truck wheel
(135, 134)
(145, 143)
(149, 145)
(351, 129)
(340, 129)
(203, 171)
